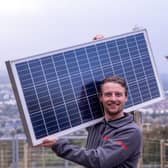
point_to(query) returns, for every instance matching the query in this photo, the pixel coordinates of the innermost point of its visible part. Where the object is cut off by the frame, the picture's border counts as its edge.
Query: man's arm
(113, 152)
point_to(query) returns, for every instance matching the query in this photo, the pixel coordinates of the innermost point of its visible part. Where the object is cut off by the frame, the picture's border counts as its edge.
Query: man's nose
(113, 97)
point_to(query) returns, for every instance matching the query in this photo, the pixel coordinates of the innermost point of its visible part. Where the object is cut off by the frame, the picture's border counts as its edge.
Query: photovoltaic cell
(57, 92)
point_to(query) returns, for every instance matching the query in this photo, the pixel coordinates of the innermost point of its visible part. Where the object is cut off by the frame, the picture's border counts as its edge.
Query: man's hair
(115, 79)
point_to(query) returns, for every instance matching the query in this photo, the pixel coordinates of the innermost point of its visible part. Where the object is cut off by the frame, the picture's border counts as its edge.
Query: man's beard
(113, 113)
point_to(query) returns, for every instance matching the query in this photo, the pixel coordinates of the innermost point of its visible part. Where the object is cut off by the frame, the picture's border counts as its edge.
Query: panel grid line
(37, 99)
(59, 86)
(93, 77)
(73, 89)
(134, 67)
(133, 70)
(97, 51)
(124, 71)
(49, 94)
(82, 83)
(136, 80)
(63, 96)
(109, 58)
(145, 75)
(92, 81)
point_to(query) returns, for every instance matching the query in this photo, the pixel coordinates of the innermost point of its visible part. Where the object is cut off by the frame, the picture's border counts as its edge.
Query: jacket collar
(128, 118)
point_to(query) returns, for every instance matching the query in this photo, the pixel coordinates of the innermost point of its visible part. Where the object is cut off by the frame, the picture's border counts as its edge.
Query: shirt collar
(126, 119)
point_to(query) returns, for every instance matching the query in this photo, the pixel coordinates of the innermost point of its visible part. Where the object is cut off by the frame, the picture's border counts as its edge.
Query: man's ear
(126, 98)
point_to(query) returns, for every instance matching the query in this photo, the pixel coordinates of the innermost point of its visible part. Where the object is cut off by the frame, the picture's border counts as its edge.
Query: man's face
(113, 99)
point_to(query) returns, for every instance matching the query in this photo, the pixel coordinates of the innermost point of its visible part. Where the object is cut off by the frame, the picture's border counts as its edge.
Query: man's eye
(118, 94)
(108, 94)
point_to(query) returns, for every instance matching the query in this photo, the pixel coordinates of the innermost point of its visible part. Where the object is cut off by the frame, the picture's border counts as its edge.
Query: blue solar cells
(61, 89)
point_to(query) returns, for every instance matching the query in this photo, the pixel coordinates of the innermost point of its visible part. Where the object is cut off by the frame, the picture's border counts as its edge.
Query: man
(115, 142)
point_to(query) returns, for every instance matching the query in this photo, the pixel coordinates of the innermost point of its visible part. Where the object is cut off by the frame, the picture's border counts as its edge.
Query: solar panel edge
(148, 103)
(68, 131)
(153, 61)
(18, 101)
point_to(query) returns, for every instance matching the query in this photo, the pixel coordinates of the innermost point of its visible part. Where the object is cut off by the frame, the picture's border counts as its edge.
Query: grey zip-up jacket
(113, 144)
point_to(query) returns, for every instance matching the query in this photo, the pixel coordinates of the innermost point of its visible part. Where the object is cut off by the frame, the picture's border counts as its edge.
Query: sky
(29, 27)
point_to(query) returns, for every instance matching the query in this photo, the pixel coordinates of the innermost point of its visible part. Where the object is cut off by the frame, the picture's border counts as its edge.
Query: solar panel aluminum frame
(18, 92)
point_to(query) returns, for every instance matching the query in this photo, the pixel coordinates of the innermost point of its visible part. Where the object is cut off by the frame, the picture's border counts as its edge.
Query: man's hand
(98, 37)
(48, 143)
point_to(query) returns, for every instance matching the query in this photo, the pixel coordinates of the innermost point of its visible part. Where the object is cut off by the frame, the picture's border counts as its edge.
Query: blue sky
(31, 27)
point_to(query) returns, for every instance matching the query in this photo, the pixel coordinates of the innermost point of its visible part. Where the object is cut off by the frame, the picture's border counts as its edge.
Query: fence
(16, 153)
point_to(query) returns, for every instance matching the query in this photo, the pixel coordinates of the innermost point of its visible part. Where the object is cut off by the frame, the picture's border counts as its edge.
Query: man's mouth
(113, 104)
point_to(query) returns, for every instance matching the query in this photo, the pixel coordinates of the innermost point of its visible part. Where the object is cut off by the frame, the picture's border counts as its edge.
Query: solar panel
(57, 92)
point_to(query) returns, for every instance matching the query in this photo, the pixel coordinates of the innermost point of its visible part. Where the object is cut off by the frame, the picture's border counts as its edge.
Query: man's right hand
(48, 143)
